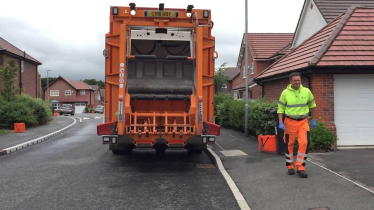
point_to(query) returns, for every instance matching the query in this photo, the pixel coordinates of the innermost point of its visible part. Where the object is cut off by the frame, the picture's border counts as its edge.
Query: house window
(244, 72)
(56, 105)
(54, 93)
(68, 92)
(224, 86)
(252, 68)
(83, 92)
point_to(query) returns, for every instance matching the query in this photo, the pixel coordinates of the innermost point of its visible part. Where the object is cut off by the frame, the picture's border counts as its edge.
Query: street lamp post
(48, 85)
(246, 68)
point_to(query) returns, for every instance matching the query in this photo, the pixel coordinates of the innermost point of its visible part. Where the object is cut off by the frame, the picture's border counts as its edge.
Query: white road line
(363, 187)
(234, 189)
(86, 118)
(80, 119)
(98, 117)
(219, 146)
(236, 138)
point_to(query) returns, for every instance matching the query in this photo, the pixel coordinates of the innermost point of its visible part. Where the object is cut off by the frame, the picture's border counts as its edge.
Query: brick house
(29, 79)
(337, 64)
(316, 14)
(78, 93)
(231, 73)
(102, 95)
(263, 50)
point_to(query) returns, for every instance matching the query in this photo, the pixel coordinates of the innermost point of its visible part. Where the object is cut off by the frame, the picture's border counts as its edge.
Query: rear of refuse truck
(159, 79)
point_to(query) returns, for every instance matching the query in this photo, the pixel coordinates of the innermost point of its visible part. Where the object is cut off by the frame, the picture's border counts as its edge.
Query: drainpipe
(20, 71)
(263, 89)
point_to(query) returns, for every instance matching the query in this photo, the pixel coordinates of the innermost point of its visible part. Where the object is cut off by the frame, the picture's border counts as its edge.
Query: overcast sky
(68, 36)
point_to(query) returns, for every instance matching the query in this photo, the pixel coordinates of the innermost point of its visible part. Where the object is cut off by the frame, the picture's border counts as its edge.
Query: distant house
(78, 93)
(29, 79)
(263, 50)
(102, 95)
(337, 64)
(230, 73)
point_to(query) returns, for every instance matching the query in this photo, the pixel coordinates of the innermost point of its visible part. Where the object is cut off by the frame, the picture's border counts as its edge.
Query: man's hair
(294, 74)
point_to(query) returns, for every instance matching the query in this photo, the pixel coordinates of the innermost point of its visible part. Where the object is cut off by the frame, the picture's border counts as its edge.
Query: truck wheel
(116, 152)
(127, 151)
(160, 152)
(195, 151)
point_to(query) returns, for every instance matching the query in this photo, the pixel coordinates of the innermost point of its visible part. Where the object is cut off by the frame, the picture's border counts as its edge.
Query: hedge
(31, 111)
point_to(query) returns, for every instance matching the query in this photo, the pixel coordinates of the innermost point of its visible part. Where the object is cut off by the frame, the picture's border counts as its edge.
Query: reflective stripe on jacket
(296, 103)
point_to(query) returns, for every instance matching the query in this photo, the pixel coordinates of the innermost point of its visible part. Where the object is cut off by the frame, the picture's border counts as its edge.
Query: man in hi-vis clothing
(295, 102)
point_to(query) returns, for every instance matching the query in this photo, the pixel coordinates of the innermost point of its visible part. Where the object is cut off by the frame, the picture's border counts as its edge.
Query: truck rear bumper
(127, 141)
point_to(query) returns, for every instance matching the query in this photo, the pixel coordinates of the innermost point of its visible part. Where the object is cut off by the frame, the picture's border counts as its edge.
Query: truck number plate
(160, 14)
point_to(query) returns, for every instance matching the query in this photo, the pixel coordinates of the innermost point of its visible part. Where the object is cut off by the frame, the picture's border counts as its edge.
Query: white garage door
(79, 107)
(354, 109)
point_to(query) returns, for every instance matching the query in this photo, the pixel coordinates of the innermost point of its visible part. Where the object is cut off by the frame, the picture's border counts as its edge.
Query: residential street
(75, 171)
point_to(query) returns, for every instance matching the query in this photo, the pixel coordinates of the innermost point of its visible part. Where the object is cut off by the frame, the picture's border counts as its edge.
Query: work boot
(291, 171)
(302, 174)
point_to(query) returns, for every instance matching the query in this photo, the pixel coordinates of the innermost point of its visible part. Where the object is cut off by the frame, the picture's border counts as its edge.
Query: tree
(44, 81)
(8, 76)
(100, 83)
(219, 78)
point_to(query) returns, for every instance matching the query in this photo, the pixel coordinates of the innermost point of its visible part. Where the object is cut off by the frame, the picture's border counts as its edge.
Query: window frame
(54, 93)
(71, 92)
(82, 91)
(252, 68)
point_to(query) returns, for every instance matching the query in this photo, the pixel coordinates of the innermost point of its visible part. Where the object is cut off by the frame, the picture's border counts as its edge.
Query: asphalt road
(75, 171)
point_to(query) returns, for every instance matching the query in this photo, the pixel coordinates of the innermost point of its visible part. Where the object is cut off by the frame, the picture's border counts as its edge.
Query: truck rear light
(114, 140)
(215, 55)
(115, 10)
(133, 8)
(204, 140)
(106, 139)
(212, 139)
(206, 14)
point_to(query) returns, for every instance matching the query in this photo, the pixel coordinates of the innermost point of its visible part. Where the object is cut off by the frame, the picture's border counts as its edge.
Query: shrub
(260, 119)
(321, 138)
(222, 116)
(24, 109)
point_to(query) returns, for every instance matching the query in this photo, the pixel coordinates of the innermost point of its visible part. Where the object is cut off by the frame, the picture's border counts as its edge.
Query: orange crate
(267, 143)
(105, 128)
(19, 127)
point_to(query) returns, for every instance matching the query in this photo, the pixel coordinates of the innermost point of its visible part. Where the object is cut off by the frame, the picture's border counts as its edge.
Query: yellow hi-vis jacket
(296, 103)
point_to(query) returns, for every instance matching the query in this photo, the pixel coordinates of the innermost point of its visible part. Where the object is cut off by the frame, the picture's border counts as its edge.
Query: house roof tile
(265, 45)
(231, 72)
(5, 45)
(337, 44)
(332, 9)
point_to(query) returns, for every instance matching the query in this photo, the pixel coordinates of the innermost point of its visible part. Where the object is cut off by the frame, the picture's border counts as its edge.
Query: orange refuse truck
(159, 79)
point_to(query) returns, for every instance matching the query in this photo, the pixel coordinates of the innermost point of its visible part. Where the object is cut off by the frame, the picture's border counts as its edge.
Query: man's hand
(281, 126)
(314, 123)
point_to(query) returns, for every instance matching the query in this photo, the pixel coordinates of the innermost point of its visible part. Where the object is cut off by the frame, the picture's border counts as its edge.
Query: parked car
(99, 109)
(67, 109)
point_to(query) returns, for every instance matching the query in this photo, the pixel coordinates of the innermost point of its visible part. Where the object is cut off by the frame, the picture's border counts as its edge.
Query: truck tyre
(127, 151)
(195, 151)
(160, 152)
(116, 152)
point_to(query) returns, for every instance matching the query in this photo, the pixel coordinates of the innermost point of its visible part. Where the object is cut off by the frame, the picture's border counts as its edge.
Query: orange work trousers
(301, 129)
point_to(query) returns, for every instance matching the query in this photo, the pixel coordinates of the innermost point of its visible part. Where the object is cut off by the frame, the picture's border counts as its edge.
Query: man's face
(295, 82)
